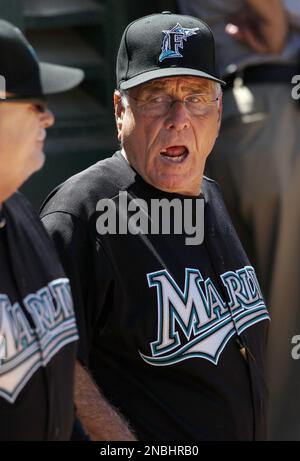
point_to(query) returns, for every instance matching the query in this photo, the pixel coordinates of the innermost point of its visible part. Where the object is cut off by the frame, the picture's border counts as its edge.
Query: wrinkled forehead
(182, 83)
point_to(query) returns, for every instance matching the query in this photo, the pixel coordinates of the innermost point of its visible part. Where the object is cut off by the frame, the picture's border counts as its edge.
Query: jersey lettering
(196, 322)
(25, 347)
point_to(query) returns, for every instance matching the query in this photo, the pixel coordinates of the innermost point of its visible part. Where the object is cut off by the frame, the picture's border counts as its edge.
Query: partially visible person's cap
(22, 72)
(165, 45)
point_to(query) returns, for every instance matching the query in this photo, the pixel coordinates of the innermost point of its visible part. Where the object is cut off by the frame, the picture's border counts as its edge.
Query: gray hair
(218, 88)
(124, 98)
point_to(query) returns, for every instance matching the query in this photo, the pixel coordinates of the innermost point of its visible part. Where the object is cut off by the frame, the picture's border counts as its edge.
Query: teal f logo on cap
(173, 40)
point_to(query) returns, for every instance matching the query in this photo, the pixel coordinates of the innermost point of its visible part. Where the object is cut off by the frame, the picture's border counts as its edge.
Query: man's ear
(119, 112)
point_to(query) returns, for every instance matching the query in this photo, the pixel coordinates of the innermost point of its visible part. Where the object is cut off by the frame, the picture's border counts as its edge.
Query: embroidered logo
(197, 322)
(24, 347)
(173, 40)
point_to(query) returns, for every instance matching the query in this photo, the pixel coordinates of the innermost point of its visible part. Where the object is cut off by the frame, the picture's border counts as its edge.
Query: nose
(47, 118)
(177, 117)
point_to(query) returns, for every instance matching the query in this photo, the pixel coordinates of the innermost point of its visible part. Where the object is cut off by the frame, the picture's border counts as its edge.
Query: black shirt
(159, 320)
(38, 333)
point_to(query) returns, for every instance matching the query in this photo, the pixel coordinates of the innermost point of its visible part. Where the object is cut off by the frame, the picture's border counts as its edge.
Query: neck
(124, 154)
(6, 193)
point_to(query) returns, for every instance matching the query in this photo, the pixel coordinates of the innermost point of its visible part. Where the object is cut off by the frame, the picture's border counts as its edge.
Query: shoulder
(21, 211)
(80, 194)
(214, 198)
(19, 202)
(28, 233)
(210, 188)
(210, 182)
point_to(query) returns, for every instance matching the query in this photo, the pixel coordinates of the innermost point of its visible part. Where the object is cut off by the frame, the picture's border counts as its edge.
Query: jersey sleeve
(79, 256)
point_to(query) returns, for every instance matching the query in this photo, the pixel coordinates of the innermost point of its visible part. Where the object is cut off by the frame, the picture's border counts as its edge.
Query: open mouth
(175, 154)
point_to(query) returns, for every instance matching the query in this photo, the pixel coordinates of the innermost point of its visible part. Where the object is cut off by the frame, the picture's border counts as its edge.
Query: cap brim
(167, 72)
(56, 79)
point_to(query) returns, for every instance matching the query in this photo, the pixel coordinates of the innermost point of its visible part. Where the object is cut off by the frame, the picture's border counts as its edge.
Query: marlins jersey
(38, 333)
(174, 333)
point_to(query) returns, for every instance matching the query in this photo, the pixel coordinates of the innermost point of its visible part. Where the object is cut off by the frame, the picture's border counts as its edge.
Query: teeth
(177, 159)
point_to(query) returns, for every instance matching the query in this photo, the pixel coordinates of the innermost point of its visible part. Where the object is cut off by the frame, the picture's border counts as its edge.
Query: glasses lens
(198, 104)
(159, 105)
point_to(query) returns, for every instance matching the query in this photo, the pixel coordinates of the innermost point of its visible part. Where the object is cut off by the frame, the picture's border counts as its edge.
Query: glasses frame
(173, 101)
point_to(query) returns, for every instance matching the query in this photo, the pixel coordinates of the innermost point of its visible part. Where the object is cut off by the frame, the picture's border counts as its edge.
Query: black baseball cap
(24, 75)
(165, 45)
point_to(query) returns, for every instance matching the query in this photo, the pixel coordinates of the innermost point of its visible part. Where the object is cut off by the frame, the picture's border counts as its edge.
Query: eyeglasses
(39, 103)
(160, 104)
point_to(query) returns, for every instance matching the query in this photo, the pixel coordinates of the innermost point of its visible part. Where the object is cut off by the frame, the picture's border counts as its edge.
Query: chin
(39, 161)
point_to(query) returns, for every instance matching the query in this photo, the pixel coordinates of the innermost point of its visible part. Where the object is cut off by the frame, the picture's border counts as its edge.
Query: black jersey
(174, 334)
(38, 333)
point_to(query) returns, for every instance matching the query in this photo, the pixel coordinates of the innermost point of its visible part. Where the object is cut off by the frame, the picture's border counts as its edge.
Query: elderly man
(38, 333)
(172, 332)
(256, 162)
